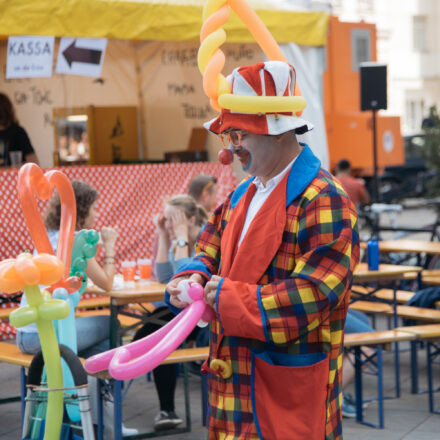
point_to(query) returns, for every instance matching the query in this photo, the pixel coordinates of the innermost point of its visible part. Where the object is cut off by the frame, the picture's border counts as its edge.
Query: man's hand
(211, 290)
(174, 291)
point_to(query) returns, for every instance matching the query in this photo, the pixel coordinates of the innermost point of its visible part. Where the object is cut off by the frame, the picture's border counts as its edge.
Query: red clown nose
(225, 156)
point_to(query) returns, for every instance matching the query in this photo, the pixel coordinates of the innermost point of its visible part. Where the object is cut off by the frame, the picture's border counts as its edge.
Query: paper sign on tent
(81, 56)
(29, 57)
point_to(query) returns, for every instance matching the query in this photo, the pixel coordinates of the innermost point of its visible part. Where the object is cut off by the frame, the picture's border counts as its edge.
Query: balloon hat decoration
(140, 357)
(211, 61)
(27, 272)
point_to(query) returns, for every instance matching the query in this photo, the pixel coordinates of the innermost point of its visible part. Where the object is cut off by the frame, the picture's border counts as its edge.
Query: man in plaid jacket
(277, 261)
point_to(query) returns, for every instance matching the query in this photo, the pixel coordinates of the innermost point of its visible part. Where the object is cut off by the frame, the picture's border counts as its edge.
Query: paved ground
(406, 418)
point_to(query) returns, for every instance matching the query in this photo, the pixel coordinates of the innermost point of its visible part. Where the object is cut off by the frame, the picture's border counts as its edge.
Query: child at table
(93, 332)
(177, 229)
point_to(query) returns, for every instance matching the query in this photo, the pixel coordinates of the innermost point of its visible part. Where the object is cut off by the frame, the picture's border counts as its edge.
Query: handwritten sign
(29, 57)
(81, 56)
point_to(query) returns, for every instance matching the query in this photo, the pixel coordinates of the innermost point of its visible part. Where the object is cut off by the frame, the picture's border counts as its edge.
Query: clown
(277, 261)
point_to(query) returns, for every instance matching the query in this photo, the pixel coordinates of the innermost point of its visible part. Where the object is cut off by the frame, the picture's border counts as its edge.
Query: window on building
(366, 5)
(415, 110)
(419, 33)
(360, 47)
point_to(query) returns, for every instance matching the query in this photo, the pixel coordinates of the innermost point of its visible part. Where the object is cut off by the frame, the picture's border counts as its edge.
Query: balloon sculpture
(28, 272)
(140, 357)
(84, 247)
(211, 61)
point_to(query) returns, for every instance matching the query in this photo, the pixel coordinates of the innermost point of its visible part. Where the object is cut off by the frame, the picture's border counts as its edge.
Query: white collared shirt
(260, 196)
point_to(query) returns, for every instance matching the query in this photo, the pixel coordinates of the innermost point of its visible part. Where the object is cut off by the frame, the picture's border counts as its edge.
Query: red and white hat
(272, 78)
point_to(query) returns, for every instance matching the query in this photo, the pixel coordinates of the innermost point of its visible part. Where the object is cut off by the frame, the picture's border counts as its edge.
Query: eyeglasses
(231, 137)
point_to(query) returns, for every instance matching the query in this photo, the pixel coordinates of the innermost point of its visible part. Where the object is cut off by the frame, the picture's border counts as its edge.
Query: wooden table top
(415, 246)
(386, 272)
(141, 292)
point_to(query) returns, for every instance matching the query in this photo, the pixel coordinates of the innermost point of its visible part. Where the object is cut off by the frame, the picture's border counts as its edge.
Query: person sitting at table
(92, 331)
(203, 189)
(355, 188)
(177, 229)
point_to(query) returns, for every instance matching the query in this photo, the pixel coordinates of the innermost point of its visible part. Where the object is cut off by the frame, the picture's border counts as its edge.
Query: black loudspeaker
(373, 86)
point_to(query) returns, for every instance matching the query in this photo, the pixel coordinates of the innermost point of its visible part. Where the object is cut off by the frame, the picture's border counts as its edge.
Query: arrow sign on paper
(81, 55)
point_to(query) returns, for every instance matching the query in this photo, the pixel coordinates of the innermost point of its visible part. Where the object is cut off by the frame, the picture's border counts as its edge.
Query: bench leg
(380, 386)
(378, 371)
(100, 410)
(204, 387)
(23, 383)
(414, 368)
(358, 384)
(397, 368)
(117, 407)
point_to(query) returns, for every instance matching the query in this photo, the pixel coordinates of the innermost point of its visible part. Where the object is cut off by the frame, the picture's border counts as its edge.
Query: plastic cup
(16, 158)
(128, 271)
(144, 266)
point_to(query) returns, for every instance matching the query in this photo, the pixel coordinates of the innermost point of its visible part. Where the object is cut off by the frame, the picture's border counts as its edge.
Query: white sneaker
(166, 420)
(129, 431)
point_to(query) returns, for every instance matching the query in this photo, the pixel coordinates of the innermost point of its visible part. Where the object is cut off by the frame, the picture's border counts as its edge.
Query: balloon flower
(26, 273)
(140, 357)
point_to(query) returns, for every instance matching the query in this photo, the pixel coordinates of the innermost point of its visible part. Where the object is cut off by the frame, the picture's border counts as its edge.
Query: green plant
(431, 128)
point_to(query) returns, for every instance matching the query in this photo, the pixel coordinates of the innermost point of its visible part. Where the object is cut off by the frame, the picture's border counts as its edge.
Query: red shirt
(355, 189)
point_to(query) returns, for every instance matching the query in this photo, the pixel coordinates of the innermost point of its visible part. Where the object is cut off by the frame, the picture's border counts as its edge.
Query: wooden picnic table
(386, 272)
(409, 246)
(141, 292)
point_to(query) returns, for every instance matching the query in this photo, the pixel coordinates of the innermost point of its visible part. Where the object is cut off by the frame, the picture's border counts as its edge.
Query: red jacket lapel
(262, 240)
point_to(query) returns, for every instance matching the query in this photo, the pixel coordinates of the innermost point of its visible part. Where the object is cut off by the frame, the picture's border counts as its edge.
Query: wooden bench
(402, 296)
(405, 312)
(429, 276)
(88, 303)
(380, 339)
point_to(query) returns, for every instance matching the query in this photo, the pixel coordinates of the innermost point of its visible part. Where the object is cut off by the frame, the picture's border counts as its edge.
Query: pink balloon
(140, 357)
(195, 291)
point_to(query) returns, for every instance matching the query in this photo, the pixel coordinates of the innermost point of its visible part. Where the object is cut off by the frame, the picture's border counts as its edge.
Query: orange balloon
(258, 29)
(27, 270)
(51, 268)
(212, 72)
(10, 281)
(215, 21)
(30, 179)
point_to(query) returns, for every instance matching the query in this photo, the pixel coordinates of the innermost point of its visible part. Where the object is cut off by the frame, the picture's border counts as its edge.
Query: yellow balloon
(207, 48)
(211, 6)
(261, 104)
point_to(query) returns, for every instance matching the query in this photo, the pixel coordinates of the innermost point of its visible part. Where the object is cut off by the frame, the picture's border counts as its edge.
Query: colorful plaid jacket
(281, 307)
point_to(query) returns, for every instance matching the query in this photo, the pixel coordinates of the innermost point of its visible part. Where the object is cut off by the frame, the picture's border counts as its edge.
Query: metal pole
(375, 181)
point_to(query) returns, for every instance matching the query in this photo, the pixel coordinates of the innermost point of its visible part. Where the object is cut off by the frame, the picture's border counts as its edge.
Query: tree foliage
(431, 128)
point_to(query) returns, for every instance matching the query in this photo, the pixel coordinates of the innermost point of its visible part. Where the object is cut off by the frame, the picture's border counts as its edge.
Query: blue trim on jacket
(193, 266)
(305, 168)
(217, 294)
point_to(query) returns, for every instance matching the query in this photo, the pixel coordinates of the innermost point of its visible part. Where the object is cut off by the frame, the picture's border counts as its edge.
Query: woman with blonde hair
(177, 229)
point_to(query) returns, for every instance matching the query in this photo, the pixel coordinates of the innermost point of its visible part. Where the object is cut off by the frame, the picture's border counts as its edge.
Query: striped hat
(272, 78)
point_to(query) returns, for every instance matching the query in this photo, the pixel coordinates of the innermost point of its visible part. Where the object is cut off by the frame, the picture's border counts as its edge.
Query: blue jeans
(92, 333)
(357, 322)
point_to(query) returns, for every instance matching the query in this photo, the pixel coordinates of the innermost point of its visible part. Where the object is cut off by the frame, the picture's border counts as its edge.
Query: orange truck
(349, 130)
